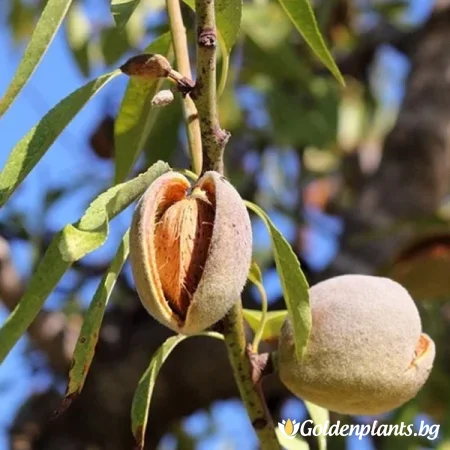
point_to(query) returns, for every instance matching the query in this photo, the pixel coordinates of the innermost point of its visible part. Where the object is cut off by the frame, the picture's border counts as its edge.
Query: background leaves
(122, 10)
(78, 31)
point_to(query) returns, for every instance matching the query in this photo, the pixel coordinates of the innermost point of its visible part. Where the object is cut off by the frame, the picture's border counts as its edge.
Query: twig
(225, 67)
(259, 332)
(180, 46)
(214, 139)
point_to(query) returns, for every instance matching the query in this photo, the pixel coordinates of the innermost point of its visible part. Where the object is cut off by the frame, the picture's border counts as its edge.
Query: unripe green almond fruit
(190, 250)
(366, 354)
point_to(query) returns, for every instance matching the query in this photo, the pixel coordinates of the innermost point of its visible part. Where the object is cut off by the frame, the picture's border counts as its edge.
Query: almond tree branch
(214, 139)
(180, 46)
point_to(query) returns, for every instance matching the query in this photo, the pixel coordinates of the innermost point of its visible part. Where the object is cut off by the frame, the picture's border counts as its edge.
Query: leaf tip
(338, 75)
(300, 352)
(119, 20)
(67, 401)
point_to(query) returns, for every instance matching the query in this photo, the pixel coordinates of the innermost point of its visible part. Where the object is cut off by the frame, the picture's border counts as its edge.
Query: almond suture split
(366, 354)
(182, 239)
(190, 250)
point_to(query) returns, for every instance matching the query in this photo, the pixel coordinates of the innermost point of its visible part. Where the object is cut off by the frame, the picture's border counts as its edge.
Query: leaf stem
(259, 333)
(180, 46)
(225, 67)
(214, 139)
(249, 389)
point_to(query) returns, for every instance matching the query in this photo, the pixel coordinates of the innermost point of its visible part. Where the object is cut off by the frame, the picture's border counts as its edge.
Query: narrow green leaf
(320, 416)
(78, 32)
(114, 44)
(68, 246)
(88, 338)
(224, 68)
(272, 327)
(302, 16)
(255, 276)
(21, 21)
(144, 391)
(30, 149)
(46, 28)
(122, 10)
(228, 17)
(136, 116)
(267, 26)
(293, 281)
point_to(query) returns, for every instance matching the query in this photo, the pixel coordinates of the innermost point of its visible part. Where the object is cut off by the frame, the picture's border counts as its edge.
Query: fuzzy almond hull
(367, 353)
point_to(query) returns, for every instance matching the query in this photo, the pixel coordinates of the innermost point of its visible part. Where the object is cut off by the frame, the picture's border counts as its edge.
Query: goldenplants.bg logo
(290, 428)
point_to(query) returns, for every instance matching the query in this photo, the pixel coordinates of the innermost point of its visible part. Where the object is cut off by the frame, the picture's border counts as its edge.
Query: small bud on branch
(162, 98)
